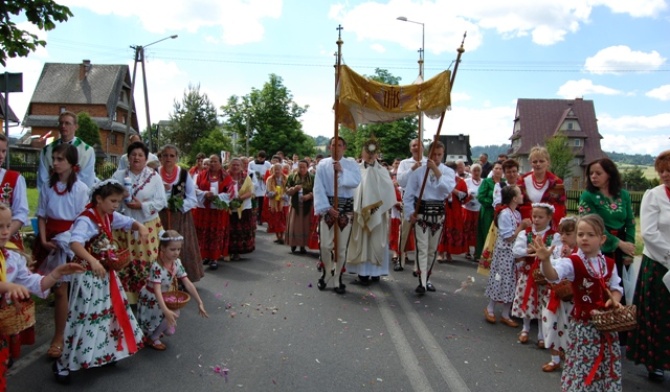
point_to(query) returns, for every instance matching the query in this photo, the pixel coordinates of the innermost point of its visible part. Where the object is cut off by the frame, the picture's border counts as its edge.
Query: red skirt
(452, 240)
(394, 234)
(276, 221)
(470, 222)
(212, 229)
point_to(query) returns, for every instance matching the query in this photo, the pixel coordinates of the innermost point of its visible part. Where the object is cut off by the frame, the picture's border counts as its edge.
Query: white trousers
(327, 243)
(427, 233)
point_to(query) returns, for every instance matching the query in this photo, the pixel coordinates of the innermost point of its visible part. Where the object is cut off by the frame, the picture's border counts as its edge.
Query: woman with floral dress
(100, 328)
(181, 199)
(146, 198)
(242, 220)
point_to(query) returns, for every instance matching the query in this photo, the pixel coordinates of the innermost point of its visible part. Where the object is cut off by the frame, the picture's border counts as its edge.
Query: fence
(29, 172)
(573, 201)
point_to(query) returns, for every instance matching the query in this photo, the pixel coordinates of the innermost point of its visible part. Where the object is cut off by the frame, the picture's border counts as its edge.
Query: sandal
(523, 337)
(55, 351)
(551, 366)
(157, 345)
(540, 344)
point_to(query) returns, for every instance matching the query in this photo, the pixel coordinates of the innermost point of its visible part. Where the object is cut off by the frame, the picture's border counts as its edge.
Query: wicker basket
(17, 316)
(563, 290)
(615, 320)
(538, 277)
(118, 261)
(175, 299)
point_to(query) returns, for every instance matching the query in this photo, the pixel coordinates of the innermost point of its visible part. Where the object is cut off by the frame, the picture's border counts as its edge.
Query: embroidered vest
(589, 291)
(8, 185)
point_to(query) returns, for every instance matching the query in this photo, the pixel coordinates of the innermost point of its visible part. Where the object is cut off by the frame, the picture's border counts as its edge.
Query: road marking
(417, 378)
(440, 359)
(25, 361)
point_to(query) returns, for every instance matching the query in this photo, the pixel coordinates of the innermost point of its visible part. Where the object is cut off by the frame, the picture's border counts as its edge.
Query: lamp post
(139, 57)
(422, 51)
(421, 58)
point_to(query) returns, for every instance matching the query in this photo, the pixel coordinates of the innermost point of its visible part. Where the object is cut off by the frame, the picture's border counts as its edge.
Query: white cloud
(616, 59)
(661, 93)
(379, 48)
(632, 124)
(165, 82)
(635, 145)
(239, 20)
(579, 88)
(637, 8)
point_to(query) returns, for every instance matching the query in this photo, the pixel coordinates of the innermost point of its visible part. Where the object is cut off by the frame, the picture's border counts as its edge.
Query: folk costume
(430, 215)
(501, 285)
(375, 196)
(147, 187)
(302, 210)
(486, 230)
(86, 162)
(551, 191)
(101, 327)
(471, 209)
(212, 223)
(593, 361)
(242, 219)
(530, 298)
(648, 344)
(181, 200)
(149, 313)
(13, 193)
(556, 316)
(407, 240)
(347, 181)
(453, 239)
(276, 191)
(396, 219)
(257, 170)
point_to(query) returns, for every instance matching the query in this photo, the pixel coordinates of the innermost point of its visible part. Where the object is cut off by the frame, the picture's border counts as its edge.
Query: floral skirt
(94, 335)
(556, 325)
(276, 221)
(649, 343)
(142, 254)
(502, 279)
(484, 262)
(212, 228)
(537, 300)
(470, 223)
(190, 251)
(587, 345)
(242, 233)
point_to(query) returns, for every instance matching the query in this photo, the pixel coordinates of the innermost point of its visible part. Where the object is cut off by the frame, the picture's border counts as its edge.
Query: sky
(614, 52)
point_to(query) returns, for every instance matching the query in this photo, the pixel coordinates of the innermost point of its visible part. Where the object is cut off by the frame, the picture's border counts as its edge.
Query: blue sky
(614, 52)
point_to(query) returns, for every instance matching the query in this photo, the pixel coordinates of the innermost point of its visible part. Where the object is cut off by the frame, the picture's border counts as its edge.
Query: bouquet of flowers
(220, 204)
(235, 204)
(175, 203)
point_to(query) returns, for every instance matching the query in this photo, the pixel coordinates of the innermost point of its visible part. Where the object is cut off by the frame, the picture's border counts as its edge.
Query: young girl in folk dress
(276, 190)
(17, 282)
(100, 327)
(502, 279)
(593, 361)
(530, 298)
(556, 315)
(61, 200)
(152, 313)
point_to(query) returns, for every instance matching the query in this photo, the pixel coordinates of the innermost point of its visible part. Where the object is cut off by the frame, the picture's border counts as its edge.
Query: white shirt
(534, 194)
(436, 188)
(566, 270)
(257, 173)
(190, 200)
(62, 207)
(405, 168)
(473, 190)
(151, 194)
(18, 272)
(347, 182)
(19, 205)
(123, 162)
(520, 248)
(83, 228)
(655, 225)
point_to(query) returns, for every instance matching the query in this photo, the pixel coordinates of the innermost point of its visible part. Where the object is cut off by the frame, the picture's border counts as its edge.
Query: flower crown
(567, 218)
(169, 239)
(544, 205)
(100, 184)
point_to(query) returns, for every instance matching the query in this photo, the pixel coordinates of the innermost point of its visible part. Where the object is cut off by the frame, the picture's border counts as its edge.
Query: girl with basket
(502, 279)
(16, 284)
(556, 315)
(593, 361)
(159, 300)
(61, 200)
(100, 328)
(532, 292)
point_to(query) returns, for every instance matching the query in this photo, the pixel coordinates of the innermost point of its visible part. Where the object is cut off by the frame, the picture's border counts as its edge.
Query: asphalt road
(270, 328)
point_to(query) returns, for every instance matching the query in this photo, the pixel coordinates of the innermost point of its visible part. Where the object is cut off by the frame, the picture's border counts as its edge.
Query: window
(577, 142)
(62, 109)
(114, 116)
(113, 139)
(569, 126)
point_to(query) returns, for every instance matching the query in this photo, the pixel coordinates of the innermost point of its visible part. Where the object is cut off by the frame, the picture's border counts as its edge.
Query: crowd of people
(363, 216)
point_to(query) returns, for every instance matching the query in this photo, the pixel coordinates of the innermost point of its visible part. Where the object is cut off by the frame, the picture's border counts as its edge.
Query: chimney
(84, 67)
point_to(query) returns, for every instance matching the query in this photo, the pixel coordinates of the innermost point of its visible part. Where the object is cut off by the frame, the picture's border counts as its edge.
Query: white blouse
(151, 193)
(190, 200)
(83, 228)
(18, 272)
(655, 225)
(566, 270)
(63, 207)
(473, 190)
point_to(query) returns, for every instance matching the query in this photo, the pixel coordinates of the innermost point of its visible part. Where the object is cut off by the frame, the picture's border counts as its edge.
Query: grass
(648, 171)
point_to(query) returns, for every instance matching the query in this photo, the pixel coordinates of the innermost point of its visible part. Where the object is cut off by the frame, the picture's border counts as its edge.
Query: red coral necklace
(169, 178)
(536, 184)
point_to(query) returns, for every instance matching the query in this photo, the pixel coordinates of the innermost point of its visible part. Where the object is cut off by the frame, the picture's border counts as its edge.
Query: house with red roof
(537, 120)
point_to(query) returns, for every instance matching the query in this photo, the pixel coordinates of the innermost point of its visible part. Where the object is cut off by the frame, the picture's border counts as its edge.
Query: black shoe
(63, 379)
(303, 250)
(341, 289)
(430, 287)
(420, 290)
(364, 280)
(321, 284)
(657, 375)
(415, 274)
(280, 242)
(293, 249)
(213, 266)
(398, 267)
(375, 278)
(205, 261)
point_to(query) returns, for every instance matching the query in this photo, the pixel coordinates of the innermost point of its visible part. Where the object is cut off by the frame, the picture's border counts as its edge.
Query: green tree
(393, 137)
(634, 180)
(16, 42)
(270, 118)
(192, 119)
(561, 155)
(88, 130)
(213, 143)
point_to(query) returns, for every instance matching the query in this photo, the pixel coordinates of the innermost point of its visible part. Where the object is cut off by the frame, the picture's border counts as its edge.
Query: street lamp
(139, 57)
(422, 51)
(421, 57)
